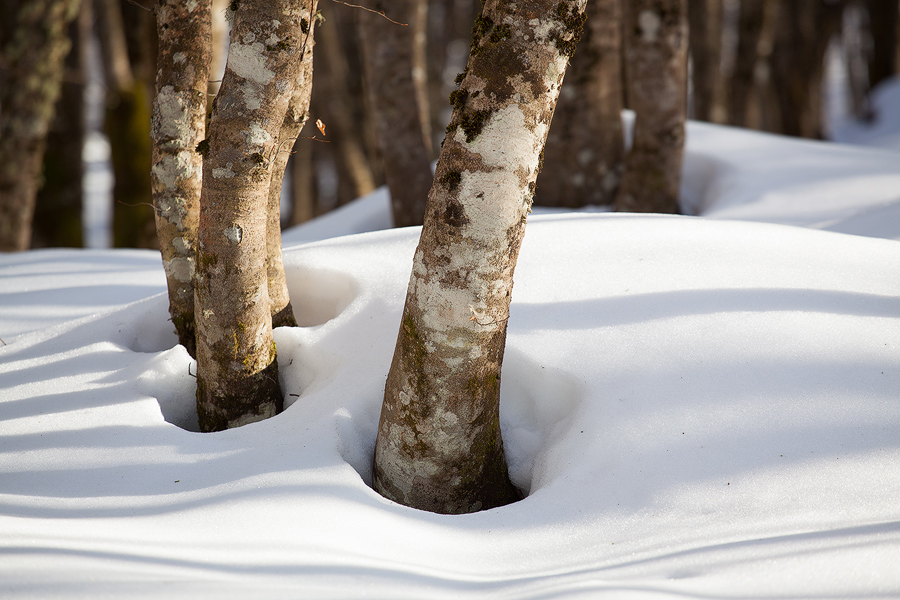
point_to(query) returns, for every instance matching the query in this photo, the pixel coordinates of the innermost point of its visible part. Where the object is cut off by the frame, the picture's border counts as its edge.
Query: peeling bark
(585, 153)
(439, 446)
(237, 374)
(177, 127)
(394, 101)
(656, 42)
(33, 51)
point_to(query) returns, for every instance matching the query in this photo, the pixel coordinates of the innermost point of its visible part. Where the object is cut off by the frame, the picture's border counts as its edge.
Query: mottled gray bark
(33, 50)
(394, 102)
(237, 374)
(178, 126)
(439, 446)
(585, 155)
(656, 42)
(294, 120)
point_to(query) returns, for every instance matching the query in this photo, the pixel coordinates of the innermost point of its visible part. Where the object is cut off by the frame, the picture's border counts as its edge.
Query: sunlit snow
(701, 407)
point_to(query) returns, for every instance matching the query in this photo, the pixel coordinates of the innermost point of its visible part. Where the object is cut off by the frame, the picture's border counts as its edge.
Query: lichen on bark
(439, 445)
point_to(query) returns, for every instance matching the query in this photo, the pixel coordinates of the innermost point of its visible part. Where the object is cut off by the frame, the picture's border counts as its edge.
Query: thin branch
(139, 5)
(372, 10)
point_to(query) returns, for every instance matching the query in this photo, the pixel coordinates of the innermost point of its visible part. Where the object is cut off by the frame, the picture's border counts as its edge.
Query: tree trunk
(294, 120)
(805, 28)
(585, 153)
(705, 24)
(237, 374)
(127, 126)
(883, 22)
(178, 126)
(333, 99)
(750, 27)
(656, 41)
(57, 215)
(34, 51)
(393, 102)
(439, 446)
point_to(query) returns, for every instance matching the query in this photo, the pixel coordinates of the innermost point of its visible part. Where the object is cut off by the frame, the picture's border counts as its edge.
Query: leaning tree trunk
(656, 41)
(33, 52)
(177, 127)
(294, 120)
(439, 446)
(585, 154)
(237, 374)
(394, 100)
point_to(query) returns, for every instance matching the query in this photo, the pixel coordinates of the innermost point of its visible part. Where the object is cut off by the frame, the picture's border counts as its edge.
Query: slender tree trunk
(656, 42)
(127, 126)
(237, 374)
(303, 184)
(705, 20)
(33, 50)
(57, 215)
(333, 98)
(750, 26)
(294, 120)
(883, 23)
(439, 446)
(585, 153)
(805, 28)
(178, 126)
(393, 101)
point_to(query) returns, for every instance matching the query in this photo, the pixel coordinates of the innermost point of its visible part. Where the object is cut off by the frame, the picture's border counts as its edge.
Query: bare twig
(139, 5)
(372, 10)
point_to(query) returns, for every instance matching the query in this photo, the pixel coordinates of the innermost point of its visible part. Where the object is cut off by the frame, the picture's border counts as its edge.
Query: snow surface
(696, 407)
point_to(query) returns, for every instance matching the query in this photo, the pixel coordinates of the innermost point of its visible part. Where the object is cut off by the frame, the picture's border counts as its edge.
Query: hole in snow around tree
(537, 403)
(318, 295)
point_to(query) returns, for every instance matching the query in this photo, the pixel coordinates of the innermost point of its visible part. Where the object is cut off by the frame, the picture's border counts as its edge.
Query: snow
(695, 406)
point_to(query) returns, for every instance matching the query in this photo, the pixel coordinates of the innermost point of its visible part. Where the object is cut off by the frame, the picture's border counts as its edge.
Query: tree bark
(33, 52)
(393, 97)
(439, 446)
(656, 41)
(178, 126)
(705, 24)
(294, 120)
(237, 374)
(585, 153)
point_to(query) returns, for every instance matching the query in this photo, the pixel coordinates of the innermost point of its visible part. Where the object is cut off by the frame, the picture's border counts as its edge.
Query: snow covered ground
(696, 407)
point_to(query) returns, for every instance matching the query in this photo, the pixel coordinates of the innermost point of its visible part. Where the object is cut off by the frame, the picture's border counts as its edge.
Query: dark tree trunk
(57, 216)
(178, 126)
(883, 22)
(750, 27)
(705, 20)
(584, 157)
(439, 446)
(804, 30)
(394, 102)
(656, 41)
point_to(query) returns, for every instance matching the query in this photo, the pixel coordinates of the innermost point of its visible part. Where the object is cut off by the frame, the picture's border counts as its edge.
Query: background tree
(237, 374)
(705, 25)
(34, 45)
(57, 215)
(439, 446)
(178, 126)
(585, 153)
(884, 20)
(396, 102)
(656, 42)
(127, 120)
